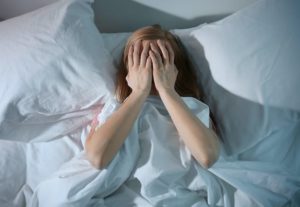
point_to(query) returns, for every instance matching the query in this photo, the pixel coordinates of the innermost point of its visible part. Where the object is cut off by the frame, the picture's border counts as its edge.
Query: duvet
(153, 168)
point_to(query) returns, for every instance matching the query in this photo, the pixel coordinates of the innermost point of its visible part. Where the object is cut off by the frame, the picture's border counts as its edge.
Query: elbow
(96, 159)
(96, 162)
(208, 161)
(213, 153)
(210, 158)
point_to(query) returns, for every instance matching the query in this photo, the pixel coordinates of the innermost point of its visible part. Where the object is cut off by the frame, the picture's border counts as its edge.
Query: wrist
(139, 94)
(166, 91)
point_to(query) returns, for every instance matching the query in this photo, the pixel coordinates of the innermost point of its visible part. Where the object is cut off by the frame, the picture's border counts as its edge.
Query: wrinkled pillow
(53, 63)
(248, 67)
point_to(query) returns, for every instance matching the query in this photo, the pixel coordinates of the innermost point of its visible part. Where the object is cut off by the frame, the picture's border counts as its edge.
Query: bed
(57, 74)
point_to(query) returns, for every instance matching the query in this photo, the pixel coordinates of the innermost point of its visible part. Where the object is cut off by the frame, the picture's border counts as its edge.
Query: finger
(163, 50)
(154, 48)
(130, 58)
(136, 53)
(148, 63)
(154, 60)
(144, 54)
(157, 55)
(171, 52)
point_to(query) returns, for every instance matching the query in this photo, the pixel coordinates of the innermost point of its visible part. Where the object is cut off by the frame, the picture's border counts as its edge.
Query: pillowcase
(53, 62)
(248, 67)
(115, 43)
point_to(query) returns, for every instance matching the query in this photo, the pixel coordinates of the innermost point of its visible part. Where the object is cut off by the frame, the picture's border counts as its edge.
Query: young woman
(154, 63)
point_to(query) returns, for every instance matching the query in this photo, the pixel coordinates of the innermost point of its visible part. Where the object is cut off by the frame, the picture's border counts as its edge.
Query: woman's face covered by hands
(151, 66)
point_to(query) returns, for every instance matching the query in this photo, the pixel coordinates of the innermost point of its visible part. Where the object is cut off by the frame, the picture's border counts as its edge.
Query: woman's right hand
(139, 77)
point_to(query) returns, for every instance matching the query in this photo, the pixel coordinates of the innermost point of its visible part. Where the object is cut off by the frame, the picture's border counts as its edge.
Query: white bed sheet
(58, 172)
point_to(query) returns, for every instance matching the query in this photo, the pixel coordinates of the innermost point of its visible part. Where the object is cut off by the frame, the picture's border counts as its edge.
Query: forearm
(201, 141)
(105, 142)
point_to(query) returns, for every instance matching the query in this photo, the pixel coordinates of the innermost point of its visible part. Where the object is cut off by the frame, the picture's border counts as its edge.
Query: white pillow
(53, 62)
(248, 65)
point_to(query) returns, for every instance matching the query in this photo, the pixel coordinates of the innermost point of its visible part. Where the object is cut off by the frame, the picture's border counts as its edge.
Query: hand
(164, 69)
(139, 76)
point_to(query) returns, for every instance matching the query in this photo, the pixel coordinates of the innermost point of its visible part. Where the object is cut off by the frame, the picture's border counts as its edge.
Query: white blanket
(153, 168)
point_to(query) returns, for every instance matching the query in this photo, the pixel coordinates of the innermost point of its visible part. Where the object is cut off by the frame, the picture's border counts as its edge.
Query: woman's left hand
(164, 69)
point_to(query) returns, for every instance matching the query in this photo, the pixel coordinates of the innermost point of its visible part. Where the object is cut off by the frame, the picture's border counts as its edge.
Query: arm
(105, 142)
(102, 145)
(201, 141)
